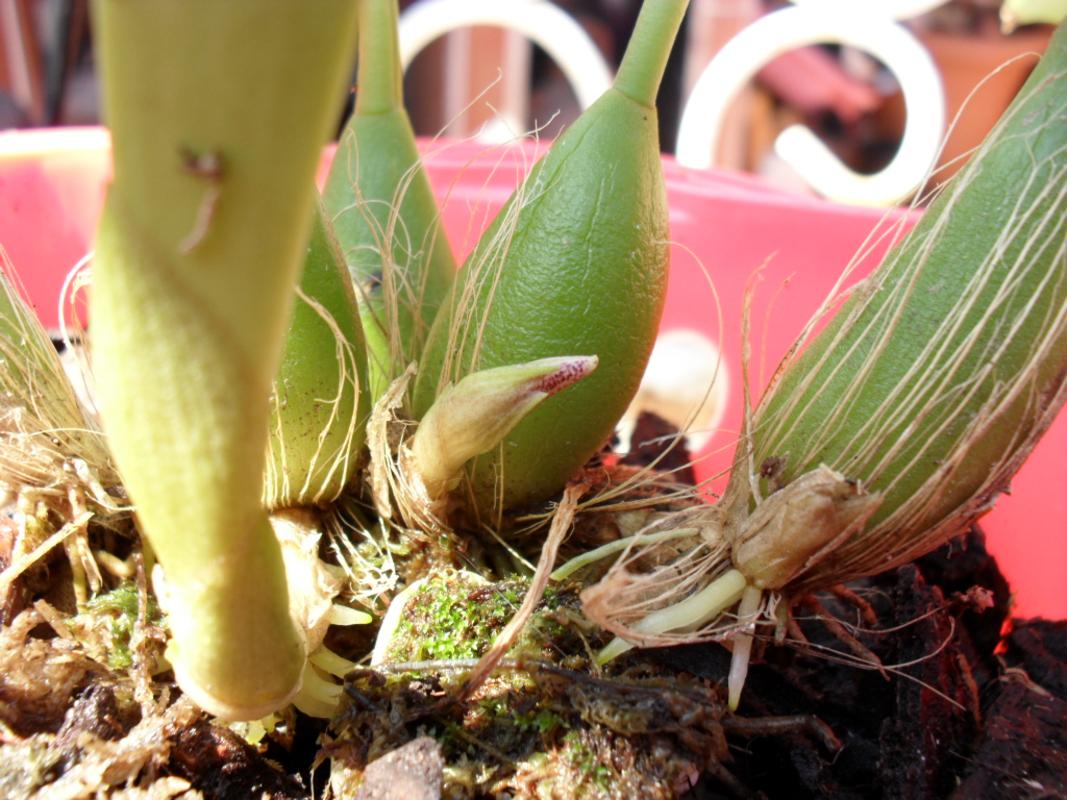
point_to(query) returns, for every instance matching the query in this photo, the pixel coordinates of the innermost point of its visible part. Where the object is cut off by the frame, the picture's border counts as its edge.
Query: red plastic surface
(724, 226)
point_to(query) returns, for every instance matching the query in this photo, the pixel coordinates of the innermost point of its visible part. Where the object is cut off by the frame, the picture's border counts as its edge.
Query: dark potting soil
(651, 443)
(969, 708)
(965, 707)
(973, 703)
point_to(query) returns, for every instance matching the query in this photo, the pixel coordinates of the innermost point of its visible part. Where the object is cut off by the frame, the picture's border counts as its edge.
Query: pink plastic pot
(51, 191)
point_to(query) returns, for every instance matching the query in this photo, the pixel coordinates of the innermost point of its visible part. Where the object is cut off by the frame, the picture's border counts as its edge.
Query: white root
(747, 614)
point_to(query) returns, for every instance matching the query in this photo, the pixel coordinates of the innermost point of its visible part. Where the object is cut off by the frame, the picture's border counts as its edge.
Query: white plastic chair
(540, 21)
(868, 26)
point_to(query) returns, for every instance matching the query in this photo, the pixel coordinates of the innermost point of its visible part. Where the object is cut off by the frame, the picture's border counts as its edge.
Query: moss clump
(455, 615)
(449, 618)
(107, 626)
(542, 725)
(582, 756)
(593, 763)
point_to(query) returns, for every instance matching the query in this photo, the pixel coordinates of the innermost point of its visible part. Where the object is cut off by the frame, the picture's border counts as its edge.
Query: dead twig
(561, 524)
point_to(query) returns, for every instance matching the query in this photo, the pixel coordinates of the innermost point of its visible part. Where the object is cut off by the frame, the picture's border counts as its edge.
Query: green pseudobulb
(575, 263)
(319, 402)
(383, 209)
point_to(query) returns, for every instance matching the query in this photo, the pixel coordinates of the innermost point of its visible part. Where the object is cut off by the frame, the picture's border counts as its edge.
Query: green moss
(541, 727)
(107, 624)
(584, 760)
(538, 732)
(543, 722)
(456, 615)
(443, 625)
(517, 709)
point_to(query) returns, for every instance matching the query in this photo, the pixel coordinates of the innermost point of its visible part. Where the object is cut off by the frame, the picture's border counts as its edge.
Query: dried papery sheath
(794, 527)
(904, 418)
(55, 471)
(681, 590)
(43, 429)
(313, 588)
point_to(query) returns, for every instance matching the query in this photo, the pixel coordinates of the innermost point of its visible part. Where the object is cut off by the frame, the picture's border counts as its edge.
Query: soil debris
(220, 764)
(39, 677)
(655, 440)
(910, 685)
(1023, 752)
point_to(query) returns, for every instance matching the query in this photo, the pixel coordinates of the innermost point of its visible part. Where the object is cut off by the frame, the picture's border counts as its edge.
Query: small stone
(412, 772)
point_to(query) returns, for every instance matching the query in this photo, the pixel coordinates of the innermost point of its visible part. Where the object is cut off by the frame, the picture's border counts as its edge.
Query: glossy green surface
(574, 264)
(582, 270)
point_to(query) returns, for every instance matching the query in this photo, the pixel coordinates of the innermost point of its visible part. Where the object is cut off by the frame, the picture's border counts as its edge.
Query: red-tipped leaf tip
(568, 374)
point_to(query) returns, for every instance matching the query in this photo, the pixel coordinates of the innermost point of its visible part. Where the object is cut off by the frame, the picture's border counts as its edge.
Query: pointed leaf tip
(571, 369)
(474, 415)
